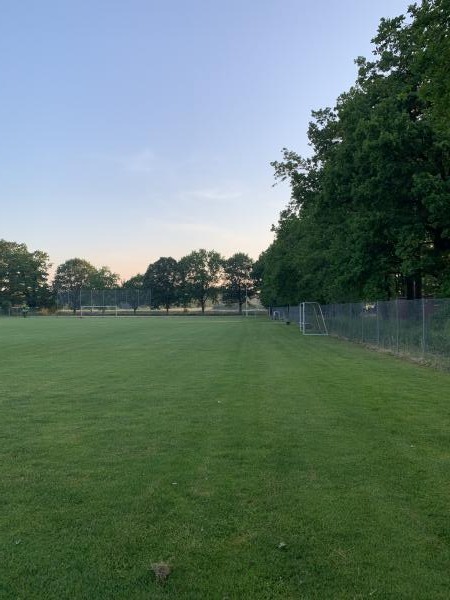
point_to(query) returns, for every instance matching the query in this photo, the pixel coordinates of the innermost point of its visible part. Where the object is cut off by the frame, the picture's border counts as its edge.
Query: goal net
(97, 311)
(312, 321)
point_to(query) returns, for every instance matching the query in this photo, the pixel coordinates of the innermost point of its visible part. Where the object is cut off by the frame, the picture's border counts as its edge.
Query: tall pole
(423, 328)
(397, 327)
(378, 323)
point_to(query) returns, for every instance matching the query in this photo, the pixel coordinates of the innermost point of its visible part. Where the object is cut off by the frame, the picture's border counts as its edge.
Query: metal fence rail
(139, 301)
(416, 328)
(288, 313)
(126, 298)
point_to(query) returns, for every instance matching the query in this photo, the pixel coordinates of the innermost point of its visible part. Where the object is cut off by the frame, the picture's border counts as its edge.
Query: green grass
(207, 443)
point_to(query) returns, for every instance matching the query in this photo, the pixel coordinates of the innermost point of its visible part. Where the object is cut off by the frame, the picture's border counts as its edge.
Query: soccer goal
(19, 311)
(97, 311)
(312, 321)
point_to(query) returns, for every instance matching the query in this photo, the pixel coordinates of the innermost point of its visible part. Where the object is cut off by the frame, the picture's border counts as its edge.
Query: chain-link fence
(123, 298)
(134, 301)
(289, 313)
(415, 328)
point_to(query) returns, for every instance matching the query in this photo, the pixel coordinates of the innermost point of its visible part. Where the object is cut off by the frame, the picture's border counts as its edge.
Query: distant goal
(98, 311)
(312, 321)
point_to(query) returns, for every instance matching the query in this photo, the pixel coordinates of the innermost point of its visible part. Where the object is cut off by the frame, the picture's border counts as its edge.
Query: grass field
(258, 463)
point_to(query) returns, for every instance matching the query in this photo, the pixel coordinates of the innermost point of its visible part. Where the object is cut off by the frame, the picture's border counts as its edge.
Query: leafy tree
(238, 280)
(184, 288)
(134, 291)
(104, 279)
(77, 273)
(71, 277)
(202, 271)
(23, 276)
(369, 214)
(162, 278)
(135, 282)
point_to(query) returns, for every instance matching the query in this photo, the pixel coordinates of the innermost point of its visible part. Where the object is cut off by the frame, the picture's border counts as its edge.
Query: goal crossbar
(98, 310)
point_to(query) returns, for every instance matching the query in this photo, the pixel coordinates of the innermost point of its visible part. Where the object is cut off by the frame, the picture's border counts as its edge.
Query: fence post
(361, 308)
(423, 329)
(397, 326)
(350, 328)
(377, 306)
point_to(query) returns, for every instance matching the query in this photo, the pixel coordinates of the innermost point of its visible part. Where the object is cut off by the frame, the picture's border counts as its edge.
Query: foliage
(238, 280)
(201, 273)
(73, 275)
(162, 277)
(198, 277)
(23, 276)
(76, 274)
(135, 282)
(103, 279)
(369, 215)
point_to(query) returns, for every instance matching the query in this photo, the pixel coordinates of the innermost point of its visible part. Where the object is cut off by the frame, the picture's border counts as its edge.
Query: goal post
(312, 321)
(89, 310)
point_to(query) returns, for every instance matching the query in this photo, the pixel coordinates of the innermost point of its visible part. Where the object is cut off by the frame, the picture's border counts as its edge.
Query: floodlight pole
(246, 301)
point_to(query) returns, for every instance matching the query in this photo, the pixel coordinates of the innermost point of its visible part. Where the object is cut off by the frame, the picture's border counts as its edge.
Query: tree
(135, 295)
(71, 277)
(135, 282)
(77, 274)
(162, 278)
(369, 215)
(23, 276)
(238, 280)
(202, 270)
(184, 291)
(104, 279)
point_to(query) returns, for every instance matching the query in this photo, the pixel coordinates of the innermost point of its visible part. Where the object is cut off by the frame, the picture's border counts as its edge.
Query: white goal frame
(88, 309)
(18, 311)
(317, 317)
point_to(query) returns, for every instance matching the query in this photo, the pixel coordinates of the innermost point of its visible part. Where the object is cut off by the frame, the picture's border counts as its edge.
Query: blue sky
(139, 129)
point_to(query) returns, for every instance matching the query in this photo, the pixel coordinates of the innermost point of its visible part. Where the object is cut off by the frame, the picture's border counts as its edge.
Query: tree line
(199, 277)
(369, 215)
